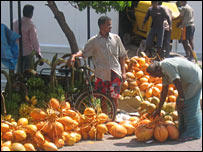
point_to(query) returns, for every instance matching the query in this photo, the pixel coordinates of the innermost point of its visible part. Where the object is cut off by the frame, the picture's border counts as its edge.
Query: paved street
(130, 144)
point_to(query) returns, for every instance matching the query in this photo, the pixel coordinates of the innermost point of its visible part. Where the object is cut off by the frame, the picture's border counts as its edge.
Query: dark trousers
(28, 63)
(159, 33)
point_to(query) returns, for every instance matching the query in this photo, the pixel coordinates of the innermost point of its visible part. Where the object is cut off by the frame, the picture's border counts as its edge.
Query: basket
(129, 104)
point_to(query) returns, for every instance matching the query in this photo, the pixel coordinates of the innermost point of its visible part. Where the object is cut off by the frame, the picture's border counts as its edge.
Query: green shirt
(189, 73)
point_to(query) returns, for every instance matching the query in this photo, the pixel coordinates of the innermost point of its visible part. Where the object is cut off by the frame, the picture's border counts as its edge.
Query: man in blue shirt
(158, 15)
(187, 78)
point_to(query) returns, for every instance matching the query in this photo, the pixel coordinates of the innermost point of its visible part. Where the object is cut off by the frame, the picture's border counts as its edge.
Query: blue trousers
(190, 118)
(159, 33)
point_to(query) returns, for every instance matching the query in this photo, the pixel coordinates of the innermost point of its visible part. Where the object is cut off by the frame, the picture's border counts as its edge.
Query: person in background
(188, 28)
(108, 54)
(187, 77)
(158, 15)
(29, 39)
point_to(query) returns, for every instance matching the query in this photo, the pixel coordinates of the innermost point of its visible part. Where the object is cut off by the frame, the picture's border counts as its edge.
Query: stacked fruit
(147, 127)
(42, 91)
(145, 89)
(144, 128)
(52, 128)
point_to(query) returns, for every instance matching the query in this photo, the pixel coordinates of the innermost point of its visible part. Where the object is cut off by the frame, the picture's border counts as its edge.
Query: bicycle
(85, 96)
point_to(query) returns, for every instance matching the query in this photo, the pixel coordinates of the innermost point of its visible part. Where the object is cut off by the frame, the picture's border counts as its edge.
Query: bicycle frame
(71, 95)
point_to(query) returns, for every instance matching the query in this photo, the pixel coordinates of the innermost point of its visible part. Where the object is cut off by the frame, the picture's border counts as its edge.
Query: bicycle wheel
(97, 100)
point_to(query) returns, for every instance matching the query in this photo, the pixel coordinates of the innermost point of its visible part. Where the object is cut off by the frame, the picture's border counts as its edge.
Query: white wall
(49, 32)
(51, 38)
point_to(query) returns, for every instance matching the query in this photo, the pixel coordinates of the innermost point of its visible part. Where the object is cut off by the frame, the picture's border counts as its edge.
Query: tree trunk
(64, 26)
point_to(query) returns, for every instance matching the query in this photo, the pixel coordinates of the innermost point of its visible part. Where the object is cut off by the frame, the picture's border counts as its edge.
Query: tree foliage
(101, 6)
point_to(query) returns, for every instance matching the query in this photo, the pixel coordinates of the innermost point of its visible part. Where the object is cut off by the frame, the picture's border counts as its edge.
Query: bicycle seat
(64, 71)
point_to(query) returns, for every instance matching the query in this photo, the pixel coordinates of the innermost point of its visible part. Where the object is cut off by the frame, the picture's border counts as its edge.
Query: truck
(130, 26)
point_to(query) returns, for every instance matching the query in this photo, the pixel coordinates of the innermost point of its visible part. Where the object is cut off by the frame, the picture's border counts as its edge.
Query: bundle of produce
(16, 137)
(145, 90)
(52, 128)
(148, 127)
(123, 128)
(43, 92)
(92, 124)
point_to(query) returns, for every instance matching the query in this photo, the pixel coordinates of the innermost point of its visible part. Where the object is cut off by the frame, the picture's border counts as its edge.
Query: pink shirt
(29, 36)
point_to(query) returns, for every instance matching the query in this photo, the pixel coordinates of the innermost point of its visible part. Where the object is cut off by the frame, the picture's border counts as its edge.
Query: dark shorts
(188, 32)
(111, 88)
(28, 63)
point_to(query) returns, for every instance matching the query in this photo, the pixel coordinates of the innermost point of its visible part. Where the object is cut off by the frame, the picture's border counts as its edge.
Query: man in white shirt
(188, 28)
(108, 54)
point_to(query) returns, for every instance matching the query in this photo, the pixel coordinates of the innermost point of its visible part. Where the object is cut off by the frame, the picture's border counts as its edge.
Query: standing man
(158, 15)
(108, 54)
(29, 39)
(187, 78)
(188, 28)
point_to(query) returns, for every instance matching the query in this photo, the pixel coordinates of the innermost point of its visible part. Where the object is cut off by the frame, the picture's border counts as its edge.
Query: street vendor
(187, 78)
(108, 54)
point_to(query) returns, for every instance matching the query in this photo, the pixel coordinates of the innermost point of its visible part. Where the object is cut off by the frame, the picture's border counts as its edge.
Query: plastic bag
(9, 47)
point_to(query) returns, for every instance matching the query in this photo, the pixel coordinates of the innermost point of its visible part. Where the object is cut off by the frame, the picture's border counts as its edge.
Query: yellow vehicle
(139, 12)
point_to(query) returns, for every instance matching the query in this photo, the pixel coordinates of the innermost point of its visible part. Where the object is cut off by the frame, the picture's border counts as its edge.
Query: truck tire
(127, 38)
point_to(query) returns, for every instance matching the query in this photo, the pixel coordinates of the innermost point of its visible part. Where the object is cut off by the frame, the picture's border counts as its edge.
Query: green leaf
(54, 59)
(103, 6)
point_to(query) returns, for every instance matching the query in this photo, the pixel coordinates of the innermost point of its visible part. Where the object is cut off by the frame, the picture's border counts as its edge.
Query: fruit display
(43, 92)
(144, 128)
(52, 128)
(44, 121)
(149, 127)
(38, 95)
(144, 90)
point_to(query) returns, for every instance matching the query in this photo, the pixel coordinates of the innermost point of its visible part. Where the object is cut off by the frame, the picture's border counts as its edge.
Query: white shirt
(105, 53)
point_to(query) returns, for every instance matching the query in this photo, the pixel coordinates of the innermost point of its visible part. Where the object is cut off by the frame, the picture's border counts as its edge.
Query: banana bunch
(33, 100)
(8, 118)
(25, 110)
(15, 97)
(11, 106)
(57, 93)
(35, 82)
